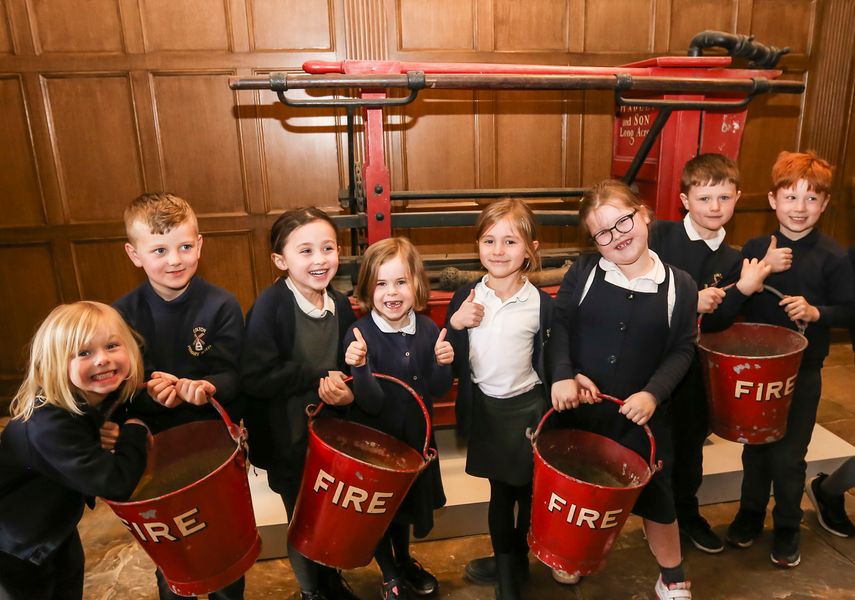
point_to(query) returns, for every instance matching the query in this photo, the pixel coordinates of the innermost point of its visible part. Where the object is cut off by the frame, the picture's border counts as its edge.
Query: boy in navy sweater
(814, 274)
(709, 188)
(193, 330)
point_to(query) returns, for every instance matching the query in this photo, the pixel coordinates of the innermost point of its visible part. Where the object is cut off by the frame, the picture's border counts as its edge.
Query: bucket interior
(182, 456)
(367, 445)
(592, 458)
(753, 340)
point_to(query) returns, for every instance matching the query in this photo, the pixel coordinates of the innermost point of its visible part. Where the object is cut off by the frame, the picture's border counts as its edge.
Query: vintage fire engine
(667, 110)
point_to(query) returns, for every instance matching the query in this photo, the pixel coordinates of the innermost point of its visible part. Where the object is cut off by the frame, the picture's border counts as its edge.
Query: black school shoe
(785, 548)
(830, 510)
(698, 531)
(745, 528)
(482, 571)
(417, 579)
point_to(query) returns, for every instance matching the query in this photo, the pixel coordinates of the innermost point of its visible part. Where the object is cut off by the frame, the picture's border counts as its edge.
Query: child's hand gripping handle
(654, 464)
(800, 325)
(428, 453)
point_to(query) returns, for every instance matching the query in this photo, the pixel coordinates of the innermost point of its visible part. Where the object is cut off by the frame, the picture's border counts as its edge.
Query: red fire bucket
(750, 372)
(192, 510)
(354, 480)
(585, 486)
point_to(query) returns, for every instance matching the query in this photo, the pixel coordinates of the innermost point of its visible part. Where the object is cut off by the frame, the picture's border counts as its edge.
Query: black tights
(508, 535)
(393, 550)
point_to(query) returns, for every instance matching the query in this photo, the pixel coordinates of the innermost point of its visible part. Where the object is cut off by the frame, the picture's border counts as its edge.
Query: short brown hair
(708, 169)
(523, 220)
(160, 211)
(382, 252)
(605, 191)
(793, 166)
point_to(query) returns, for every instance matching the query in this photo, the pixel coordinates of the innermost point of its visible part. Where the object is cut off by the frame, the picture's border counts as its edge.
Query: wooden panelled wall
(101, 100)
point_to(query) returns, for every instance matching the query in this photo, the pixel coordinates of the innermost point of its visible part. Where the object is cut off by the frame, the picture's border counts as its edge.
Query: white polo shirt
(714, 244)
(501, 347)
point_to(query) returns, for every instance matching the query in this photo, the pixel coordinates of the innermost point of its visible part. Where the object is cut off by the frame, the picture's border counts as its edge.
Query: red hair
(794, 166)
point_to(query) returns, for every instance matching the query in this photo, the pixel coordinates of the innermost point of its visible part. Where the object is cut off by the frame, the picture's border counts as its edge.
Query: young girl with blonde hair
(54, 455)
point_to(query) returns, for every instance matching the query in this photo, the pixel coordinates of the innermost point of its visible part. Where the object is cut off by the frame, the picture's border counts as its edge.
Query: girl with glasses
(624, 325)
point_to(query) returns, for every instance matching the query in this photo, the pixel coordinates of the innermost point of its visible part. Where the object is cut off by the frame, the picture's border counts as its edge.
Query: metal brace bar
(761, 85)
(415, 83)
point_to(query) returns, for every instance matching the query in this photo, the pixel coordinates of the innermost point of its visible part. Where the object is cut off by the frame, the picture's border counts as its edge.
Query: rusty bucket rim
(422, 465)
(236, 433)
(652, 466)
(649, 471)
(224, 464)
(803, 341)
(428, 454)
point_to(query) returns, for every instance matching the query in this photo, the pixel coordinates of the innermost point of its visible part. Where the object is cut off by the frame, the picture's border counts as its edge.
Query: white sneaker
(674, 591)
(565, 578)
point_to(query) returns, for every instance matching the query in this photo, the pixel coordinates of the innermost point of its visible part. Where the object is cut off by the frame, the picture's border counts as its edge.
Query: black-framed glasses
(622, 225)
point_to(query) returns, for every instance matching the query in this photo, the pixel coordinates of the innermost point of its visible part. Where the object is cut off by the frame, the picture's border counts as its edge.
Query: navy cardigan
(268, 374)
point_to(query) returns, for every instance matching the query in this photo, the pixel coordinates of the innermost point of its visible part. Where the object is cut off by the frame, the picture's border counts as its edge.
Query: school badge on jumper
(199, 346)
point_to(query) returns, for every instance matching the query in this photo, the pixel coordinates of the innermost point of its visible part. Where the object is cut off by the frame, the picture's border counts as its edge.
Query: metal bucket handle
(428, 453)
(801, 326)
(238, 433)
(654, 464)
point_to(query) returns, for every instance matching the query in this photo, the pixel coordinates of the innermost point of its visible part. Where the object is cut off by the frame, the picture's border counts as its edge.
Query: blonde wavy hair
(64, 332)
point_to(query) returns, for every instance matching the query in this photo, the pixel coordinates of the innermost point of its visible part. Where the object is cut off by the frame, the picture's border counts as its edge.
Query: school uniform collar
(647, 283)
(521, 295)
(383, 324)
(806, 242)
(308, 307)
(176, 303)
(714, 243)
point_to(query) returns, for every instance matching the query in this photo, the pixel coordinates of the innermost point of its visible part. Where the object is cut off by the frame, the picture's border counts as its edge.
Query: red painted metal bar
(708, 96)
(364, 67)
(375, 174)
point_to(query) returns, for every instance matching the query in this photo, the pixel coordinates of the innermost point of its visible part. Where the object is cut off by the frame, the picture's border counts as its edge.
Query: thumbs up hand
(357, 351)
(470, 314)
(780, 259)
(443, 350)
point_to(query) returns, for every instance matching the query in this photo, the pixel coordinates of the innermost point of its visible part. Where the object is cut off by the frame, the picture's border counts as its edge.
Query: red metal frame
(686, 134)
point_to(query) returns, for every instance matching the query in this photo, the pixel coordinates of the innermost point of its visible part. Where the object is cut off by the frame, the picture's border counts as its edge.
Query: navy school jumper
(198, 335)
(690, 409)
(822, 273)
(50, 467)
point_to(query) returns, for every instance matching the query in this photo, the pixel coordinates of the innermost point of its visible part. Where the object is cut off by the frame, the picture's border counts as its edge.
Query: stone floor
(118, 569)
